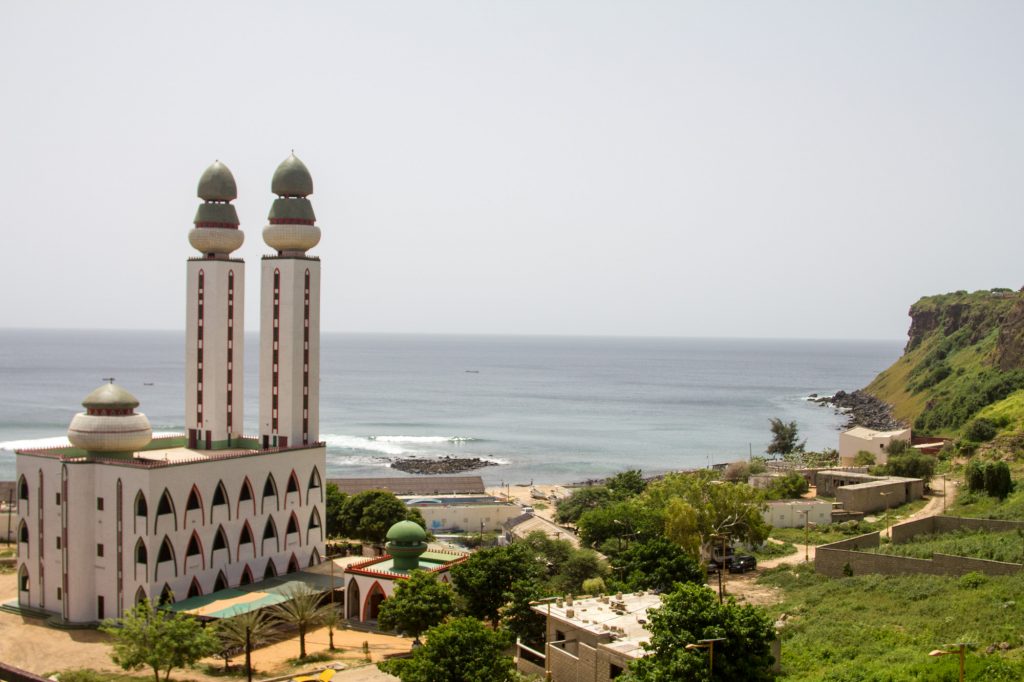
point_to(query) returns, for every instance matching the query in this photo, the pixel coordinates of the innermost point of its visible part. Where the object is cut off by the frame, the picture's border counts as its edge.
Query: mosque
(119, 516)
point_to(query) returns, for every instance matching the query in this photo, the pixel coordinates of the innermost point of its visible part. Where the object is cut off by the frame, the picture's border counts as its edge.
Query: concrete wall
(467, 517)
(868, 497)
(790, 513)
(851, 442)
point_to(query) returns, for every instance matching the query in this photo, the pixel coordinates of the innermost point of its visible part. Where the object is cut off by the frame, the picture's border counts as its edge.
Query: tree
(736, 471)
(975, 475)
(784, 438)
(335, 502)
(570, 509)
(998, 482)
(657, 564)
(150, 637)
(864, 459)
(484, 579)
(302, 610)
(246, 631)
(788, 487)
(420, 602)
(698, 510)
(518, 616)
(911, 464)
(459, 650)
(899, 447)
(626, 484)
(627, 520)
(567, 566)
(370, 514)
(332, 620)
(691, 613)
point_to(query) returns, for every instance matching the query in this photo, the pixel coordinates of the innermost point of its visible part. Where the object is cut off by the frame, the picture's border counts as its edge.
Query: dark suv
(734, 563)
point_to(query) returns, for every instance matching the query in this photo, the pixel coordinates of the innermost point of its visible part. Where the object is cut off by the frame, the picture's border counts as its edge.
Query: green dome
(407, 533)
(109, 396)
(292, 179)
(217, 184)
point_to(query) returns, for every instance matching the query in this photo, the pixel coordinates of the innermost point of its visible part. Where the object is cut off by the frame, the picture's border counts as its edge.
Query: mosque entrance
(352, 600)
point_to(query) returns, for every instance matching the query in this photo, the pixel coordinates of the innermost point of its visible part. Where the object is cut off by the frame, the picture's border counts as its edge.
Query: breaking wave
(391, 445)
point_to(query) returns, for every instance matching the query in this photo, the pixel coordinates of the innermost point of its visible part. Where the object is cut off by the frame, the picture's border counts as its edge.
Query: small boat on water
(472, 371)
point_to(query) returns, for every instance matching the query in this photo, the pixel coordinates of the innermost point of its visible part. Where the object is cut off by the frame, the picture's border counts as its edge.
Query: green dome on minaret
(292, 179)
(217, 184)
(406, 542)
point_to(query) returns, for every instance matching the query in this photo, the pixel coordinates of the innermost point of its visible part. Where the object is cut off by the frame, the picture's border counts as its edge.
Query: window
(58, 542)
(23, 489)
(293, 525)
(246, 493)
(59, 594)
(141, 508)
(58, 499)
(23, 579)
(99, 549)
(246, 536)
(269, 530)
(220, 540)
(220, 496)
(193, 500)
(100, 615)
(614, 671)
(193, 546)
(141, 555)
(166, 552)
(23, 532)
(165, 506)
(99, 504)
(293, 484)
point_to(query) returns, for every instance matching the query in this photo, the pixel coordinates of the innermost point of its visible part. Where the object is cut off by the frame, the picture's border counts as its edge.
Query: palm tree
(246, 630)
(302, 610)
(332, 619)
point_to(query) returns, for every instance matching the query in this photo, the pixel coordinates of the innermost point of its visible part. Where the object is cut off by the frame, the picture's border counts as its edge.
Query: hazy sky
(763, 169)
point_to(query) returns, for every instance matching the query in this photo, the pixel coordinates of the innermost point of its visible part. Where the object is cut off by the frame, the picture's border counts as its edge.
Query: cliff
(964, 359)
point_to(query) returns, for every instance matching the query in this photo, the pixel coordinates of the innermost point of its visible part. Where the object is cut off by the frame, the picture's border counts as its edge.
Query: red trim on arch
(292, 479)
(246, 483)
(202, 552)
(202, 509)
(366, 600)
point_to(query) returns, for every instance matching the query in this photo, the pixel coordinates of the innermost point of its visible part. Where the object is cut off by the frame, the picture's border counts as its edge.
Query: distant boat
(148, 383)
(472, 371)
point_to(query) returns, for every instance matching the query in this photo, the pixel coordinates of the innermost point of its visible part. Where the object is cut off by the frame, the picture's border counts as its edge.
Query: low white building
(794, 513)
(876, 442)
(463, 513)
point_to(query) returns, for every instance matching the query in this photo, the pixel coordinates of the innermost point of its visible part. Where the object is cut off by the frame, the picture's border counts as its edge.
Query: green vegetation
(980, 544)
(788, 487)
(244, 632)
(992, 478)
(964, 359)
(911, 464)
(459, 650)
(784, 438)
(370, 514)
(882, 627)
(418, 603)
(691, 613)
(774, 550)
(834, 532)
(302, 610)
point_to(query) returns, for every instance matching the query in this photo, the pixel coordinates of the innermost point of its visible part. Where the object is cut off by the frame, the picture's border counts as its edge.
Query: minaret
(290, 314)
(215, 324)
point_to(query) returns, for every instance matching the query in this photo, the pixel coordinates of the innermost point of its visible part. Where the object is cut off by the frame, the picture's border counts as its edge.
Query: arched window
(246, 537)
(271, 570)
(293, 487)
(165, 506)
(293, 525)
(23, 489)
(23, 532)
(246, 495)
(314, 557)
(166, 595)
(246, 578)
(140, 595)
(141, 554)
(220, 497)
(269, 490)
(165, 555)
(141, 510)
(195, 504)
(314, 525)
(194, 590)
(270, 529)
(293, 564)
(221, 583)
(23, 579)
(314, 484)
(195, 548)
(220, 539)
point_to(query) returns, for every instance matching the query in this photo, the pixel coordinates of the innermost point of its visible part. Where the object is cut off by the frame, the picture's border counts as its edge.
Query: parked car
(732, 562)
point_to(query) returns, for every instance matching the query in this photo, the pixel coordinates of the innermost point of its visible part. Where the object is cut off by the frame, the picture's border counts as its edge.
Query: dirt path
(939, 500)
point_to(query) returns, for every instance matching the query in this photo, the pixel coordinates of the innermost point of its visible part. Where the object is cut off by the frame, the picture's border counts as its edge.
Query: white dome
(291, 237)
(110, 433)
(215, 239)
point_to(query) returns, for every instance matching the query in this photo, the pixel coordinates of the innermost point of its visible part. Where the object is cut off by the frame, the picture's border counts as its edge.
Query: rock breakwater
(861, 409)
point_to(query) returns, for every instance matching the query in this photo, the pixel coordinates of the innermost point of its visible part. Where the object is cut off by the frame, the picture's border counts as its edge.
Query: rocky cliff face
(1009, 354)
(974, 316)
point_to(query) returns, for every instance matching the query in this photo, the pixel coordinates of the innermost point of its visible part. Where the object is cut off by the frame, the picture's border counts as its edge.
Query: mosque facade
(119, 516)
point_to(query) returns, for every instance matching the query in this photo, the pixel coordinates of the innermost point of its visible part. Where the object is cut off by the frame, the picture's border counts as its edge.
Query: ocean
(546, 409)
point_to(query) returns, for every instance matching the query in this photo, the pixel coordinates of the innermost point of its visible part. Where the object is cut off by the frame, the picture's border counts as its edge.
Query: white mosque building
(119, 516)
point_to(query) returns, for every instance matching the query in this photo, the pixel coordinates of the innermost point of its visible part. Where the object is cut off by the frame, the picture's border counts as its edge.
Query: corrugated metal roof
(412, 485)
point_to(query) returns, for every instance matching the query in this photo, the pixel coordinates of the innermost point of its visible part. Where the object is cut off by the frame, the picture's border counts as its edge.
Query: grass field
(881, 628)
(1004, 546)
(822, 535)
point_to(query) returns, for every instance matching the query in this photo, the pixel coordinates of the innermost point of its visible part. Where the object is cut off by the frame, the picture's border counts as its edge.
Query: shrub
(975, 475)
(594, 586)
(911, 464)
(899, 447)
(848, 570)
(980, 430)
(997, 480)
(736, 472)
(864, 459)
(972, 580)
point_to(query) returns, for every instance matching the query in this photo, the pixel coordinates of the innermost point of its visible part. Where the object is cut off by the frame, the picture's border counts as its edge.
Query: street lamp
(807, 537)
(959, 651)
(708, 644)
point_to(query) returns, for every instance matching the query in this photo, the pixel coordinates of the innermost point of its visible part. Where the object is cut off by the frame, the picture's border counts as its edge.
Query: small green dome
(407, 533)
(217, 184)
(292, 179)
(113, 397)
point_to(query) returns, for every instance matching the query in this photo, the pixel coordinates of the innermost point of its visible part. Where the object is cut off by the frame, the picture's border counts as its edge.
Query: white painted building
(876, 442)
(794, 513)
(117, 516)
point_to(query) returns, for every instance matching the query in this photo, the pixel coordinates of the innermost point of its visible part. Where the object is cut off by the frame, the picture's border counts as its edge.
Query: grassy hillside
(964, 354)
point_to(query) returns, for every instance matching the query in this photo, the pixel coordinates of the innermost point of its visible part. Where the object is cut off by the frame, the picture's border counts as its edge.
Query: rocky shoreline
(444, 465)
(861, 409)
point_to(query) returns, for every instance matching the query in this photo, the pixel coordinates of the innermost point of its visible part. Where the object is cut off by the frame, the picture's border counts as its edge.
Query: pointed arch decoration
(194, 589)
(245, 537)
(374, 596)
(270, 490)
(270, 571)
(194, 548)
(352, 599)
(292, 488)
(23, 538)
(163, 556)
(141, 555)
(166, 595)
(293, 564)
(315, 484)
(314, 525)
(221, 583)
(141, 508)
(24, 583)
(194, 503)
(220, 541)
(140, 595)
(245, 494)
(23, 489)
(314, 557)
(165, 506)
(246, 578)
(292, 527)
(220, 498)
(270, 531)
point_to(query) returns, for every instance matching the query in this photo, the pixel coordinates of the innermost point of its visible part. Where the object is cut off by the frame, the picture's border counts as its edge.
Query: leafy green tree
(420, 602)
(899, 447)
(980, 430)
(594, 586)
(864, 459)
(788, 487)
(691, 613)
(370, 514)
(332, 620)
(517, 615)
(626, 484)
(302, 610)
(624, 521)
(657, 564)
(580, 565)
(975, 475)
(784, 438)
(998, 482)
(570, 509)
(335, 502)
(459, 650)
(150, 637)
(246, 631)
(911, 464)
(484, 579)
(698, 510)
